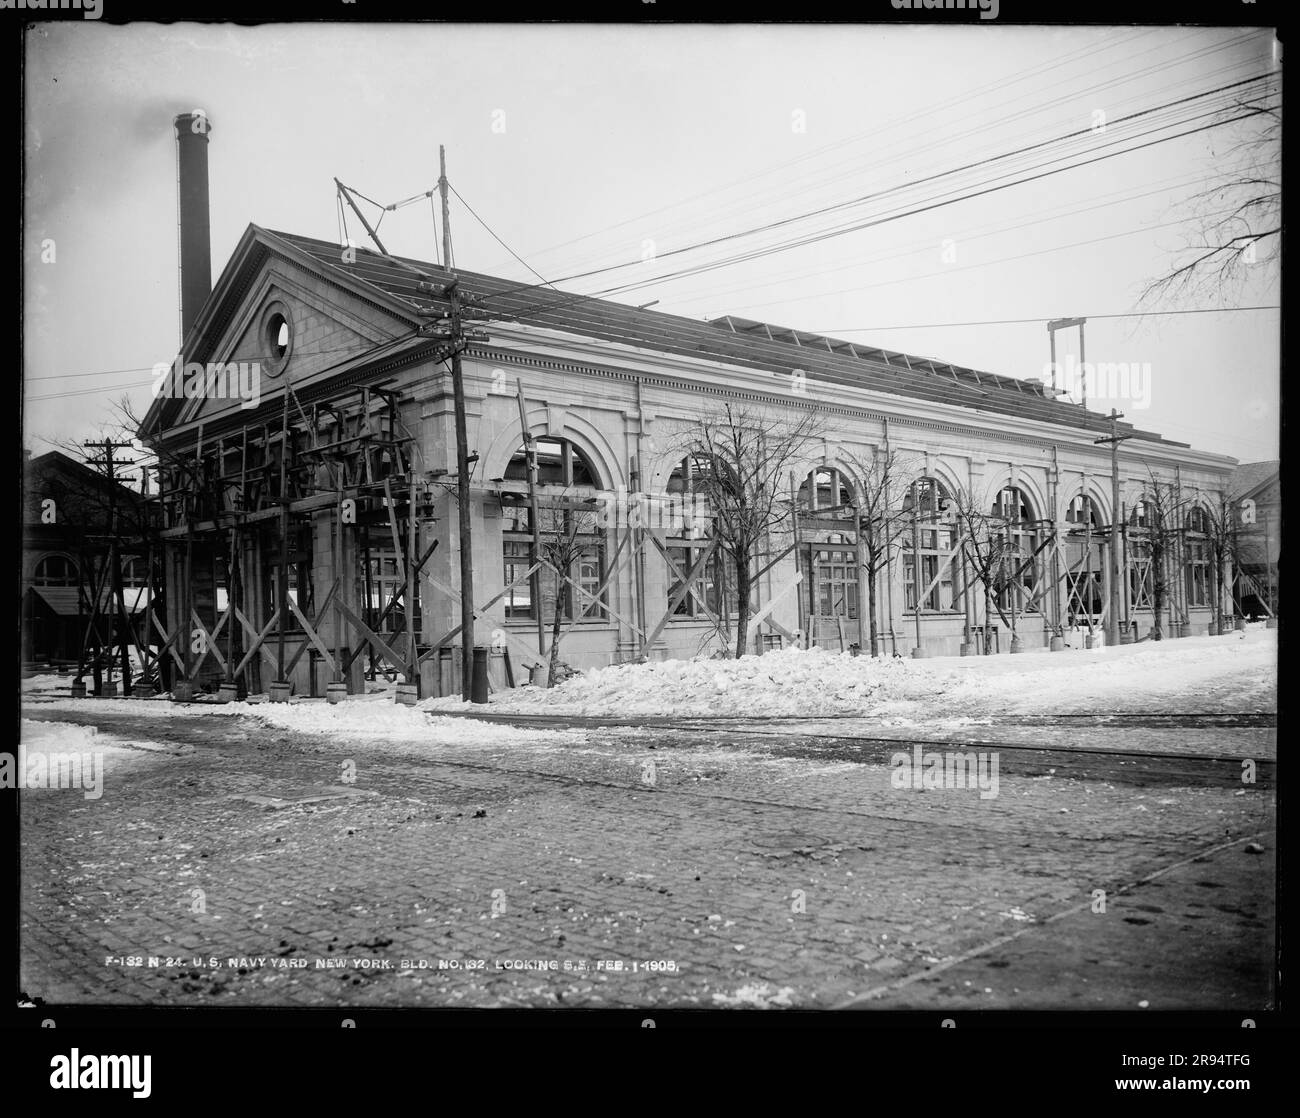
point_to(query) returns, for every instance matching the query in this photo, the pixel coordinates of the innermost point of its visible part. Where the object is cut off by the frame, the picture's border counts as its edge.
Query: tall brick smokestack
(192, 202)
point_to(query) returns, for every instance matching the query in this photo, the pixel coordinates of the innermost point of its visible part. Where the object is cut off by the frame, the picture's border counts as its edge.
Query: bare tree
(1225, 552)
(1160, 520)
(564, 534)
(1235, 222)
(743, 454)
(988, 555)
(884, 520)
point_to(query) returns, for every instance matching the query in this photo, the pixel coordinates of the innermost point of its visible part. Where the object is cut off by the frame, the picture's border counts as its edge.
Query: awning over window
(62, 600)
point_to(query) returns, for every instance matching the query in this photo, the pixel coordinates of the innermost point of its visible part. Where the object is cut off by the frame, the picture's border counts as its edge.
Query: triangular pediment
(236, 358)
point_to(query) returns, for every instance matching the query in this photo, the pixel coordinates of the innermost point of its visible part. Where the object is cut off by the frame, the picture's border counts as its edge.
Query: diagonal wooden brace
(302, 648)
(370, 635)
(312, 635)
(258, 642)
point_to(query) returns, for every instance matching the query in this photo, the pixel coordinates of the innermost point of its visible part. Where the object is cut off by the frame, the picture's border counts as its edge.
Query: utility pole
(1112, 612)
(109, 463)
(534, 521)
(462, 447)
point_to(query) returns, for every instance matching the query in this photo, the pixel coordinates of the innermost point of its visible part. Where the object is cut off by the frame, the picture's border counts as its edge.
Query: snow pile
(372, 717)
(791, 681)
(47, 684)
(379, 717)
(1188, 675)
(1237, 671)
(58, 737)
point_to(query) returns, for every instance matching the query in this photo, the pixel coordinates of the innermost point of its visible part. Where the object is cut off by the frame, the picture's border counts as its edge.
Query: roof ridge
(605, 318)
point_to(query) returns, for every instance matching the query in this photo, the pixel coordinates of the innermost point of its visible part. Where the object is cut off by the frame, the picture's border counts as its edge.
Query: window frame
(1077, 585)
(839, 484)
(72, 572)
(1026, 542)
(1197, 582)
(517, 541)
(714, 590)
(927, 494)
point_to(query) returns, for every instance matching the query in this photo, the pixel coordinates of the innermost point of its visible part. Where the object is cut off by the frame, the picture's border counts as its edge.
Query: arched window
(826, 488)
(1085, 558)
(1141, 588)
(714, 589)
(559, 462)
(55, 570)
(1083, 512)
(1016, 539)
(930, 536)
(135, 572)
(1196, 568)
(689, 475)
(828, 559)
(567, 482)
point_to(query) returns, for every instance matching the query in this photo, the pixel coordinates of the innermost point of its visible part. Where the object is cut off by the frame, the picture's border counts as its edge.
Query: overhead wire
(783, 166)
(726, 238)
(1043, 318)
(814, 238)
(979, 232)
(1035, 110)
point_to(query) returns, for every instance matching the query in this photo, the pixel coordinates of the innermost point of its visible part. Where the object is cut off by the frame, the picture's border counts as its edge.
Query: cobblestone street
(324, 872)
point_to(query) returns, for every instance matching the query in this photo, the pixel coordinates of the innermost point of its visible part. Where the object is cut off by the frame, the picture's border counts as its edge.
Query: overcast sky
(586, 147)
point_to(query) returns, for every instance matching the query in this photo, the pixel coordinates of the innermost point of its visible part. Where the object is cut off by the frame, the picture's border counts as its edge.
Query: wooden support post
(232, 565)
(282, 574)
(398, 596)
(798, 552)
(919, 650)
(336, 539)
(412, 653)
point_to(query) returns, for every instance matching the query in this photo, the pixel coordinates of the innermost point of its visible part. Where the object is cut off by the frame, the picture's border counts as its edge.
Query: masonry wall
(602, 414)
(620, 406)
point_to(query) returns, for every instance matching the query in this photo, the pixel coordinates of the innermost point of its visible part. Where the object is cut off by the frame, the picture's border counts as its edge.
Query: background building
(1255, 491)
(72, 515)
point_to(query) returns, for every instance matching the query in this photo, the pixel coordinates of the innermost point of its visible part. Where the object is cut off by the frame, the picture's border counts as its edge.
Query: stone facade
(621, 407)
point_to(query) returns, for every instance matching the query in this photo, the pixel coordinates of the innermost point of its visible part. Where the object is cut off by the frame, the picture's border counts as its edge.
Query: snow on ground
(377, 716)
(757, 995)
(47, 683)
(1236, 672)
(370, 717)
(59, 737)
